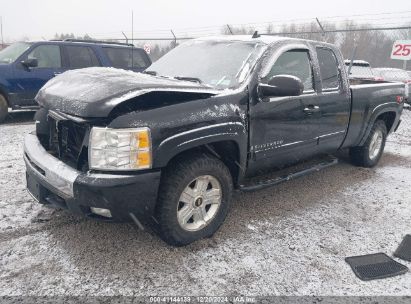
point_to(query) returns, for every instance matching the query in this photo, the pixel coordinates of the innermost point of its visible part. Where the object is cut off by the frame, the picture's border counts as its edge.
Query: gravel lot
(287, 240)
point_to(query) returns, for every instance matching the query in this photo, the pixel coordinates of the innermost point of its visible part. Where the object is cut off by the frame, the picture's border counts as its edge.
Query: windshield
(219, 64)
(12, 52)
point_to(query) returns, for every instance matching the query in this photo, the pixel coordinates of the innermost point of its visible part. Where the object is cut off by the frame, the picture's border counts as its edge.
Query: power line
(273, 22)
(342, 31)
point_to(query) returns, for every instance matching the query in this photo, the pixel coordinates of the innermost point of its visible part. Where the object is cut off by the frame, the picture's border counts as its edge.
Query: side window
(140, 59)
(48, 56)
(296, 63)
(121, 58)
(328, 69)
(81, 57)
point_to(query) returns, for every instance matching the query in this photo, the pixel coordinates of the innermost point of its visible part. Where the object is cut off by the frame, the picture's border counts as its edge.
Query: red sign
(147, 48)
(401, 50)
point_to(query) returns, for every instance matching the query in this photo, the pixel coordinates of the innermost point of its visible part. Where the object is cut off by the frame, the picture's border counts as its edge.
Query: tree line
(373, 46)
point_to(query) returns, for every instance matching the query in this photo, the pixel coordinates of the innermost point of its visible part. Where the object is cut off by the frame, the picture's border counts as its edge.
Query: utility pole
(132, 27)
(1, 30)
(132, 39)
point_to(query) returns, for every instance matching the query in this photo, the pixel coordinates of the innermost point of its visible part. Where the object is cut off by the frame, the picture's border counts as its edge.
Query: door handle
(57, 73)
(311, 109)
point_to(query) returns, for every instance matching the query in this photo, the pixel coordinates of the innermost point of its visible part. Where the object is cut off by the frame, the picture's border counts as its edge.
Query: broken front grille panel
(68, 140)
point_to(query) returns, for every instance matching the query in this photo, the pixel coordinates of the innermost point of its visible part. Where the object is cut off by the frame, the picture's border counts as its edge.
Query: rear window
(81, 57)
(122, 58)
(328, 68)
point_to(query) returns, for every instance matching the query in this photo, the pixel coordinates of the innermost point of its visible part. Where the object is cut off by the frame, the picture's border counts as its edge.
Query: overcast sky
(107, 18)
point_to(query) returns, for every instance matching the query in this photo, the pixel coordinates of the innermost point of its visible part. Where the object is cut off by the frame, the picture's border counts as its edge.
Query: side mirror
(30, 63)
(281, 85)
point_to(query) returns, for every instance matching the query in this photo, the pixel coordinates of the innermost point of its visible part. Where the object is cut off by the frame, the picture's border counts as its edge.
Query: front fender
(174, 145)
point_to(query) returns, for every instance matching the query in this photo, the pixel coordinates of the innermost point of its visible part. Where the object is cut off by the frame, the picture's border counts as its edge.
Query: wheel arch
(228, 151)
(388, 118)
(4, 93)
(389, 115)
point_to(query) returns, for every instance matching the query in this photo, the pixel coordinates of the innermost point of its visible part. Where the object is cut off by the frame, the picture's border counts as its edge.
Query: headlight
(120, 149)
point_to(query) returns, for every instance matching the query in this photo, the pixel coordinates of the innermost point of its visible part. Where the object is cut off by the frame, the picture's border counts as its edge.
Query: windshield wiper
(154, 73)
(186, 78)
(192, 79)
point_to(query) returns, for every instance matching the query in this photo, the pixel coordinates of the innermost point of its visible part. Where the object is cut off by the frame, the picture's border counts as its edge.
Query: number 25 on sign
(401, 50)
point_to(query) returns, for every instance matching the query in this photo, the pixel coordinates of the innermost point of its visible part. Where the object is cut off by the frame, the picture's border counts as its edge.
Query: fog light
(101, 211)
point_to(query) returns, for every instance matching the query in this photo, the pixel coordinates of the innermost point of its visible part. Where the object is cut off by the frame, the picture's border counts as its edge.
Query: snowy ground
(288, 240)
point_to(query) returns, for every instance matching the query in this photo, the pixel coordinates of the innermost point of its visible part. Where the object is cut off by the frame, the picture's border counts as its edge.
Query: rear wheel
(4, 108)
(194, 199)
(370, 153)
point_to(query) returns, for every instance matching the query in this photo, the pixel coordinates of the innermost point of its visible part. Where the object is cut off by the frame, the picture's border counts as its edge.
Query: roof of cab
(261, 38)
(246, 38)
(85, 42)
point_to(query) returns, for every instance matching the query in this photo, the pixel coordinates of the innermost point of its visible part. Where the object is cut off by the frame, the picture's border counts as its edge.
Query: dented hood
(94, 92)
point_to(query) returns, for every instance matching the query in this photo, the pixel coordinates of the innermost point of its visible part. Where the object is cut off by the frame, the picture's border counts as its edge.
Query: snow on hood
(94, 92)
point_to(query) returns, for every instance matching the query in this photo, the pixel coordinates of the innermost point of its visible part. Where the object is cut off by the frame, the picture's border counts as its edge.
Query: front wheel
(370, 153)
(4, 108)
(194, 199)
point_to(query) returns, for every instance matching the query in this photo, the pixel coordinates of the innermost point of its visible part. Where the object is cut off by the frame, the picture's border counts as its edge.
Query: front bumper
(52, 182)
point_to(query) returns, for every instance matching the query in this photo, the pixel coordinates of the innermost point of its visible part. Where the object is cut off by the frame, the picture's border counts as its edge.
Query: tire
(370, 153)
(4, 108)
(176, 225)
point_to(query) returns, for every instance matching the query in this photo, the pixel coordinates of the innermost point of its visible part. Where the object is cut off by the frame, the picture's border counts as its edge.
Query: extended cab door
(334, 102)
(30, 80)
(283, 129)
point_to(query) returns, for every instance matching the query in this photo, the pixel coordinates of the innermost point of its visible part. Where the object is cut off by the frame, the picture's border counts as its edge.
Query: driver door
(283, 129)
(30, 80)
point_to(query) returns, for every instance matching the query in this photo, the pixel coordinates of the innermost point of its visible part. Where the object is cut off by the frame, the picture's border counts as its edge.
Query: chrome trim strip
(199, 129)
(294, 143)
(203, 137)
(55, 115)
(330, 134)
(280, 146)
(63, 116)
(299, 142)
(57, 174)
(383, 104)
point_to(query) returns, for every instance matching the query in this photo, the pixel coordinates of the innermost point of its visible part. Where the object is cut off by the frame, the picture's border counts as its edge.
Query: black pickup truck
(169, 146)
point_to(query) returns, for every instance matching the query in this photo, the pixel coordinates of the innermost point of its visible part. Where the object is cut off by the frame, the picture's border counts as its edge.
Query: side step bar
(278, 180)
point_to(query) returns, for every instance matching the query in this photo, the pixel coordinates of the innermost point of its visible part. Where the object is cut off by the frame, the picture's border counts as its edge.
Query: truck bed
(366, 99)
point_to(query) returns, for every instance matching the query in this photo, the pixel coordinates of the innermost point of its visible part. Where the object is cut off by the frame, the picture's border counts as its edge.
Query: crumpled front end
(95, 92)
(55, 183)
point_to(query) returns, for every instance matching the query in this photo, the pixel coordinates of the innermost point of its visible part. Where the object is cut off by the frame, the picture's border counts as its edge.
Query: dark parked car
(169, 146)
(26, 66)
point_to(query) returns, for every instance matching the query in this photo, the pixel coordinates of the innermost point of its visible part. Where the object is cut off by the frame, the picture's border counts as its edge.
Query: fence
(372, 43)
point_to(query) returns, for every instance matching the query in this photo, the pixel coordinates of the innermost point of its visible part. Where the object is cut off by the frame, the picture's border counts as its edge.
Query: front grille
(67, 140)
